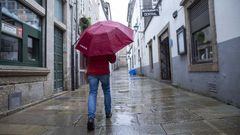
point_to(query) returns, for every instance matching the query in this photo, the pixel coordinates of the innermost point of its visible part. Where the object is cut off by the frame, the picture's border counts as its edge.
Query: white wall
(136, 19)
(227, 15)
(159, 22)
(93, 13)
(89, 8)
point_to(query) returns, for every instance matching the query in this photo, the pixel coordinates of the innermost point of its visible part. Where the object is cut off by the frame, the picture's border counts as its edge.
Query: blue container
(132, 72)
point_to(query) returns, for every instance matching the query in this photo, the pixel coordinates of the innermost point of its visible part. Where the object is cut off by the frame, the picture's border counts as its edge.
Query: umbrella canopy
(104, 37)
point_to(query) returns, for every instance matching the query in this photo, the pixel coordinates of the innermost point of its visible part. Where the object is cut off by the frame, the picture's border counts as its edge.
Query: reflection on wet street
(141, 106)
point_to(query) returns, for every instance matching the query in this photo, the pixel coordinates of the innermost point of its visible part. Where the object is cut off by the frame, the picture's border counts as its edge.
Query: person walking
(97, 42)
(98, 71)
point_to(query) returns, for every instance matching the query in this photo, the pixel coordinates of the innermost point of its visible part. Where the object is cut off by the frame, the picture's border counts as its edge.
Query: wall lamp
(175, 14)
(135, 27)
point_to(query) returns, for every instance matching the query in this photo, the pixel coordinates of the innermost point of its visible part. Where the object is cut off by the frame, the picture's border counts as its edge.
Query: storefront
(21, 35)
(23, 74)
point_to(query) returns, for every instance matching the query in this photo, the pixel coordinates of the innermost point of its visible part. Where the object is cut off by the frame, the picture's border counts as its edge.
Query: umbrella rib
(119, 38)
(110, 42)
(89, 47)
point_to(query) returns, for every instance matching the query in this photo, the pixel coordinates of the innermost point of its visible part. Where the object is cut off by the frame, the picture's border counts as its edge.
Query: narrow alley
(141, 106)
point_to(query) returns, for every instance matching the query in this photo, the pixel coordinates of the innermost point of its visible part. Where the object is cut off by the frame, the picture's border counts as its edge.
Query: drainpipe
(76, 32)
(45, 36)
(72, 51)
(140, 40)
(0, 21)
(76, 36)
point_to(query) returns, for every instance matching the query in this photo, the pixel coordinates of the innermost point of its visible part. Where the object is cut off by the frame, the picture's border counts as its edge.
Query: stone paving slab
(218, 111)
(133, 130)
(189, 128)
(168, 117)
(42, 119)
(71, 131)
(21, 129)
(226, 123)
(120, 130)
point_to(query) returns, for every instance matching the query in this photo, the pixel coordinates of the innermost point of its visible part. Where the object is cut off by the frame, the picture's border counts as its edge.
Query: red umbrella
(104, 37)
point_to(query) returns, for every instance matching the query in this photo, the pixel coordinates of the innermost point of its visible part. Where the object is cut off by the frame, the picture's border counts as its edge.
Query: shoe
(90, 124)
(108, 115)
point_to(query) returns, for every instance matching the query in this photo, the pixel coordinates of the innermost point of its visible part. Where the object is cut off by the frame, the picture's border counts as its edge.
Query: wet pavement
(141, 106)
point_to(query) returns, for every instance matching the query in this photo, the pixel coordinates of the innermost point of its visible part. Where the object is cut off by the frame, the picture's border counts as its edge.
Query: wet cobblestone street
(140, 106)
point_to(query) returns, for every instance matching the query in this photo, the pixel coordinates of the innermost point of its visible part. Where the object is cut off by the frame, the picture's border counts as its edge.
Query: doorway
(165, 63)
(58, 60)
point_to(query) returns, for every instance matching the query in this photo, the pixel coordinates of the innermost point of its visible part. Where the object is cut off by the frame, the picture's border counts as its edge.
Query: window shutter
(199, 15)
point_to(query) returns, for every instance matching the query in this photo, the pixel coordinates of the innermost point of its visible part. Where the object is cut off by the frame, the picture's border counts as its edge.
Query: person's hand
(85, 75)
(112, 58)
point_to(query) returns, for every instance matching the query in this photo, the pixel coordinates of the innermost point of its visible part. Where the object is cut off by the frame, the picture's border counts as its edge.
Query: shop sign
(11, 29)
(150, 12)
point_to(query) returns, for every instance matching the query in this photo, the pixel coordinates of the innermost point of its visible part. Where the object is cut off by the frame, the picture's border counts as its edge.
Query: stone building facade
(37, 55)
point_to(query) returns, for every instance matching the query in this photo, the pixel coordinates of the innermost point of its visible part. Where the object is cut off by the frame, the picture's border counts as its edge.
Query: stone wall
(31, 89)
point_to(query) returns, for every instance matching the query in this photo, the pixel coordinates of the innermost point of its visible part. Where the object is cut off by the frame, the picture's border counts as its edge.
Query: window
(33, 48)
(39, 2)
(132, 62)
(11, 34)
(150, 55)
(134, 59)
(3, 3)
(201, 36)
(19, 12)
(58, 9)
(20, 36)
(9, 48)
(201, 32)
(202, 47)
(139, 57)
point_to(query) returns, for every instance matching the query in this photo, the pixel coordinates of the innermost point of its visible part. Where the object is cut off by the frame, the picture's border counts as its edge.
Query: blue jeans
(92, 97)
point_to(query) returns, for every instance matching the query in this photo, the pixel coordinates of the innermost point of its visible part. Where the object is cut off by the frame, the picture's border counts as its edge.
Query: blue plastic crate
(132, 72)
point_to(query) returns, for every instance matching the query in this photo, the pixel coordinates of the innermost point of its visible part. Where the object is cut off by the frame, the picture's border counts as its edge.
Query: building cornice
(60, 25)
(8, 71)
